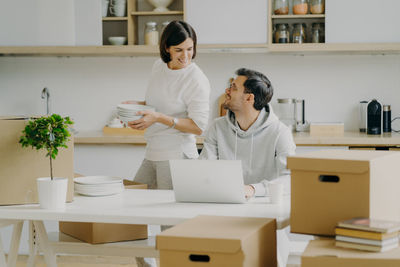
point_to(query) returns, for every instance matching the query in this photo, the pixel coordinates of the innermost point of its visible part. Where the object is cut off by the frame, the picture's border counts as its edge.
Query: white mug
(276, 192)
(118, 2)
(117, 10)
(105, 4)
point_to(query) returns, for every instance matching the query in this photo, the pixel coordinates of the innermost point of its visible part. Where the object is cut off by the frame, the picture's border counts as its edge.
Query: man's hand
(249, 191)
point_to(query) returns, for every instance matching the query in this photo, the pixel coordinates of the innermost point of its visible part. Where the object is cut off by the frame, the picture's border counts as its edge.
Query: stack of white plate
(127, 112)
(98, 185)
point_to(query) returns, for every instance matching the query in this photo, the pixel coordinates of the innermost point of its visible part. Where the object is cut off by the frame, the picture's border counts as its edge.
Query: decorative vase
(160, 5)
(52, 193)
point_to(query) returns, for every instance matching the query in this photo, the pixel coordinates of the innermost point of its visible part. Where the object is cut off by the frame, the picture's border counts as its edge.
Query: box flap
(221, 234)
(349, 161)
(327, 248)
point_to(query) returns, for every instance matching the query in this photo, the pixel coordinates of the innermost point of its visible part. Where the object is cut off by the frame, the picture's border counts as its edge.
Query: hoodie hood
(265, 119)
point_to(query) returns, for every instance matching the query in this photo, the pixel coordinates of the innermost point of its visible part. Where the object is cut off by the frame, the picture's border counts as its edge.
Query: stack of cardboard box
(334, 185)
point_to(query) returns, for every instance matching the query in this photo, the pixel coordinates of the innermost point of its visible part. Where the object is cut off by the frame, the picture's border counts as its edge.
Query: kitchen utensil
(300, 114)
(363, 116)
(286, 112)
(117, 40)
(387, 119)
(374, 117)
(160, 5)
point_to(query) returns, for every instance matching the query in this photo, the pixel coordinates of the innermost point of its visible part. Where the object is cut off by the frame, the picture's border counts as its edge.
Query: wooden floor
(90, 261)
(82, 261)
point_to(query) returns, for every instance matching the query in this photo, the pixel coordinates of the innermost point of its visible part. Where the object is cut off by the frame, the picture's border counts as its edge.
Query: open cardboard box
(20, 167)
(97, 233)
(219, 241)
(324, 253)
(333, 185)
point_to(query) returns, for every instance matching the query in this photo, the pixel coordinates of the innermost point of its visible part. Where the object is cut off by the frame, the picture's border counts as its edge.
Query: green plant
(47, 132)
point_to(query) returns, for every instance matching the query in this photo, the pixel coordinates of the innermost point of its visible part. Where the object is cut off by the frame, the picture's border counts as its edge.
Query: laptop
(215, 181)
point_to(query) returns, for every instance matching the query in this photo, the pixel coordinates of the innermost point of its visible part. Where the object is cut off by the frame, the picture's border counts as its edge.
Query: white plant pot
(52, 193)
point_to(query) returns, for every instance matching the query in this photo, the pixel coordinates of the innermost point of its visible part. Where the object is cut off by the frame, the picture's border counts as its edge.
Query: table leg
(44, 244)
(15, 241)
(2, 255)
(32, 245)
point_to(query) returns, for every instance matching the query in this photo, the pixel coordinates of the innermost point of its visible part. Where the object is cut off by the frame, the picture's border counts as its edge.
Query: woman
(179, 91)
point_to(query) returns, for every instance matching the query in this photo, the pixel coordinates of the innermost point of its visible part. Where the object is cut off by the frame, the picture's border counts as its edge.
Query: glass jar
(151, 33)
(282, 33)
(299, 33)
(281, 7)
(300, 7)
(317, 6)
(316, 31)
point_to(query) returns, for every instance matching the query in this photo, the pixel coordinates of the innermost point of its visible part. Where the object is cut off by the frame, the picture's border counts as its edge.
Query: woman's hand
(134, 102)
(149, 117)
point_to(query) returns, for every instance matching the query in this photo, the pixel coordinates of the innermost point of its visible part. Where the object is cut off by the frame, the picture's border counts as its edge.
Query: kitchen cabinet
(360, 21)
(228, 21)
(291, 19)
(138, 12)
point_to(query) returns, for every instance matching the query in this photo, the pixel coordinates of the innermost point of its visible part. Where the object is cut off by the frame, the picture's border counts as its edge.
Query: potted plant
(49, 133)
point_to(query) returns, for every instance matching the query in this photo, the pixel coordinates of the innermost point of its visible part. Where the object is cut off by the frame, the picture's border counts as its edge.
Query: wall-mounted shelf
(152, 13)
(145, 50)
(115, 18)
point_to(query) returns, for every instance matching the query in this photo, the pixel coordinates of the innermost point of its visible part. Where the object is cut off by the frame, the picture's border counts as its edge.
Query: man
(252, 133)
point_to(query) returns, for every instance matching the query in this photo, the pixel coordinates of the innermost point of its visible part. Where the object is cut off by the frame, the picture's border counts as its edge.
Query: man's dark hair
(175, 33)
(258, 85)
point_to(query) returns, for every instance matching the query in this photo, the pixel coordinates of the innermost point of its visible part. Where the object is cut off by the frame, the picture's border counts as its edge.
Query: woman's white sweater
(182, 93)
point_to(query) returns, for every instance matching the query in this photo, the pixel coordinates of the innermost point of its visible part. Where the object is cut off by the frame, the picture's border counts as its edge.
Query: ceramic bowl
(117, 40)
(160, 5)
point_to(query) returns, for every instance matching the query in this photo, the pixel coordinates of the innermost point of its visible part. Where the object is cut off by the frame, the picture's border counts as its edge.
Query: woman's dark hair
(258, 85)
(175, 33)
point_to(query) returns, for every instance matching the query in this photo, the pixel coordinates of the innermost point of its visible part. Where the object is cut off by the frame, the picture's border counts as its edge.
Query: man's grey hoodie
(263, 148)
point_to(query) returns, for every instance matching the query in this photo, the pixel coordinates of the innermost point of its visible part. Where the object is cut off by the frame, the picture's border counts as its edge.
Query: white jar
(151, 33)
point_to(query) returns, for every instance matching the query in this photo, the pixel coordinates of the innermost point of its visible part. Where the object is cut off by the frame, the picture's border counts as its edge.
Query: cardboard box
(20, 167)
(122, 131)
(98, 233)
(219, 241)
(326, 128)
(333, 185)
(324, 253)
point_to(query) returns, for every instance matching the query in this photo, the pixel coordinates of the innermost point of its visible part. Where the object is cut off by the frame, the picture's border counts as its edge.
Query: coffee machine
(374, 117)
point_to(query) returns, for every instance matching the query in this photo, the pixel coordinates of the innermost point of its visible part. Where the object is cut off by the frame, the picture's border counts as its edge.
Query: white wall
(88, 89)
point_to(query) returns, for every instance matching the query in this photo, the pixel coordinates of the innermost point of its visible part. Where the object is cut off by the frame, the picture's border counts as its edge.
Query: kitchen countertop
(301, 139)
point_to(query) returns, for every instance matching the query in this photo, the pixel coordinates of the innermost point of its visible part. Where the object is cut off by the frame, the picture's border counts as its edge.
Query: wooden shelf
(308, 16)
(145, 50)
(327, 48)
(152, 13)
(115, 18)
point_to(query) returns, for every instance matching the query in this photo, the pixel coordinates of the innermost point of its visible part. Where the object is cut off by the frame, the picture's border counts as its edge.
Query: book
(366, 247)
(365, 234)
(379, 243)
(371, 225)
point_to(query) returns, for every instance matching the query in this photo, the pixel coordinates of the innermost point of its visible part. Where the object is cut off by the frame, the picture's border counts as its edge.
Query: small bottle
(163, 26)
(299, 33)
(282, 33)
(317, 6)
(281, 7)
(300, 7)
(151, 33)
(387, 119)
(316, 33)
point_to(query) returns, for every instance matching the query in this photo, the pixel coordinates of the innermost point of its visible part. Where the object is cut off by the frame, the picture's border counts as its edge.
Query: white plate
(100, 193)
(133, 107)
(93, 180)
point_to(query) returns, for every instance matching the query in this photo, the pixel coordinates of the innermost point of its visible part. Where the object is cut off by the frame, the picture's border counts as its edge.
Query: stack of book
(367, 234)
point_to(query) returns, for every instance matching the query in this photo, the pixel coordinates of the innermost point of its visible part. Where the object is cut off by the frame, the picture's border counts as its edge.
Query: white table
(157, 207)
